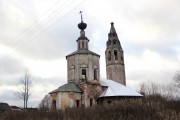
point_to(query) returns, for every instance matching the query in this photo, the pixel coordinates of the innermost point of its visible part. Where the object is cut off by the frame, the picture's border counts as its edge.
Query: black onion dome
(82, 25)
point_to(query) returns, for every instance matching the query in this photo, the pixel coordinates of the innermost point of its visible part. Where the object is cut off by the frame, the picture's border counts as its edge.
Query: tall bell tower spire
(115, 68)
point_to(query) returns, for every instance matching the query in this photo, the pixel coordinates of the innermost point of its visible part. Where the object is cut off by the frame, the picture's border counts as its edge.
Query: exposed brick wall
(106, 101)
(90, 94)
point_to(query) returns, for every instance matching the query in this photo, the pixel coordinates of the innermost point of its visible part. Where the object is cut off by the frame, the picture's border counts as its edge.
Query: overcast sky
(38, 34)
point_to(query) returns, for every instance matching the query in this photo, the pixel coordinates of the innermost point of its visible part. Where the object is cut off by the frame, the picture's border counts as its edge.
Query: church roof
(117, 89)
(69, 87)
(112, 29)
(82, 52)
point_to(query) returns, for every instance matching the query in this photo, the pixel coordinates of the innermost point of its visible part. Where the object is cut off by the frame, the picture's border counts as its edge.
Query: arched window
(83, 74)
(109, 42)
(114, 41)
(77, 103)
(91, 102)
(115, 55)
(78, 44)
(113, 34)
(95, 74)
(109, 55)
(82, 44)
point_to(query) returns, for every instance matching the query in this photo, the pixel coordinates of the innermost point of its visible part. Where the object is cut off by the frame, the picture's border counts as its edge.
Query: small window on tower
(109, 55)
(108, 42)
(114, 41)
(83, 74)
(113, 34)
(95, 74)
(82, 44)
(115, 55)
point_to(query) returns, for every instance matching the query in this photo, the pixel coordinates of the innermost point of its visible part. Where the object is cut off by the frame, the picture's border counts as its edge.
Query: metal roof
(82, 52)
(117, 89)
(69, 87)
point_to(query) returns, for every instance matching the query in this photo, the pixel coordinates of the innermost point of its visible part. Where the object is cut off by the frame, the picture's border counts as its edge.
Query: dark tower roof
(82, 25)
(113, 37)
(112, 29)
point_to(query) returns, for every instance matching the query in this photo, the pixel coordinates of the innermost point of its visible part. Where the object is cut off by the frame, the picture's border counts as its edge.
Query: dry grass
(167, 111)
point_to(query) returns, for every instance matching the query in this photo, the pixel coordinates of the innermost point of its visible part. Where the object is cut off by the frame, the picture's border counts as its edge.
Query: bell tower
(115, 68)
(83, 64)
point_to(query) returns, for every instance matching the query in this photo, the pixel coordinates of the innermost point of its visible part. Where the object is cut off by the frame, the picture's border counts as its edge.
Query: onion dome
(82, 25)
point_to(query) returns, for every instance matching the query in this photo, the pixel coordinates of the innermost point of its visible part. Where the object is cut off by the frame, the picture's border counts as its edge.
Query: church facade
(84, 86)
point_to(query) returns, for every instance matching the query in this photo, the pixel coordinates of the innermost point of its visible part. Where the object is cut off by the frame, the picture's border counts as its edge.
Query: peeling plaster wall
(65, 99)
(77, 62)
(90, 92)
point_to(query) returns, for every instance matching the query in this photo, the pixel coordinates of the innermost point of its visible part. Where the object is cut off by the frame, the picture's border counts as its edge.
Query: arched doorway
(53, 107)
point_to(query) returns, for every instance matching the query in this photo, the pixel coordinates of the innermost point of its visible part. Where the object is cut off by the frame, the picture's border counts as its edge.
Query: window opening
(108, 42)
(95, 74)
(79, 45)
(113, 34)
(54, 105)
(114, 41)
(91, 101)
(83, 74)
(109, 101)
(109, 55)
(77, 103)
(82, 44)
(115, 55)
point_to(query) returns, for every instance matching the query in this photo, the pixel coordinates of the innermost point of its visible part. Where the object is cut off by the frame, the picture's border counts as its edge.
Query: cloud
(10, 65)
(38, 39)
(150, 66)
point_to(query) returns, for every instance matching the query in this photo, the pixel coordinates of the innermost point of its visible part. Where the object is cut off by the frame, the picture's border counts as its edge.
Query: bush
(168, 110)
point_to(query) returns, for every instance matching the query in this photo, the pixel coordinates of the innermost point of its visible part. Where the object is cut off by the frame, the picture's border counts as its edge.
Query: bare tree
(177, 78)
(150, 88)
(143, 89)
(25, 84)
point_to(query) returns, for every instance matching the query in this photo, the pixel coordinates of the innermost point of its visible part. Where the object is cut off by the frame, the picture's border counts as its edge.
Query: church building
(84, 86)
